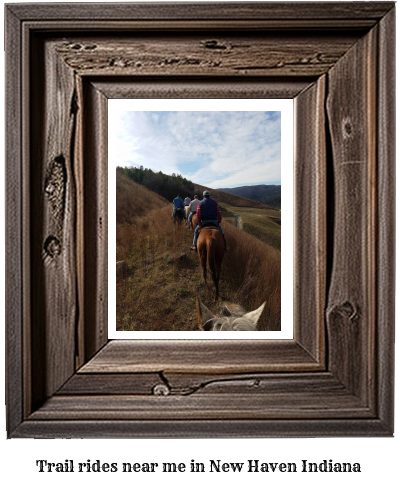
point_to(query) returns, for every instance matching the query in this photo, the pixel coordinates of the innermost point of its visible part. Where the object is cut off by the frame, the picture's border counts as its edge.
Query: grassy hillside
(274, 201)
(156, 294)
(134, 200)
(262, 223)
(269, 194)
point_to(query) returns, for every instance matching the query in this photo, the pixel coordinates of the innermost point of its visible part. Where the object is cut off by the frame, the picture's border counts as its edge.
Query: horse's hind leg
(202, 257)
(216, 277)
(216, 289)
(204, 271)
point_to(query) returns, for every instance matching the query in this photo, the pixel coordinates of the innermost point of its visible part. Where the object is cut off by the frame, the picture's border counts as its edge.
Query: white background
(286, 109)
(378, 457)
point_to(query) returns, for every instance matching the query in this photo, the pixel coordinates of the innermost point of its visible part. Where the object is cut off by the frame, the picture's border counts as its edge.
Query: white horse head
(232, 318)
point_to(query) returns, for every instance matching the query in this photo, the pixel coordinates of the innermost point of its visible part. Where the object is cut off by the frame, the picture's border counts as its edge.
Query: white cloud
(217, 149)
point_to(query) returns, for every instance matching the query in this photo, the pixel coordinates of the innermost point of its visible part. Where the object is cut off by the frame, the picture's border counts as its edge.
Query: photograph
(198, 216)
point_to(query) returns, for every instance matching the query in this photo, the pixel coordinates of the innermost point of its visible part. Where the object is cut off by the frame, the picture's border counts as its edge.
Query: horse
(193, 222)
(210, 245)
(232, 318)
(178, 215)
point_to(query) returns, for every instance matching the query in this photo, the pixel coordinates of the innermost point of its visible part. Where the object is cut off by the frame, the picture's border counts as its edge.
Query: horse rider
(178, 203)
(208, 213)
(192, 208)
(187, 201)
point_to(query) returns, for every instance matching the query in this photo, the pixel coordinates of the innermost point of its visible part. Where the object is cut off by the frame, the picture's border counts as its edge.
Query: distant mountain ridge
(229, 198)
(166, 188)
(267, 194)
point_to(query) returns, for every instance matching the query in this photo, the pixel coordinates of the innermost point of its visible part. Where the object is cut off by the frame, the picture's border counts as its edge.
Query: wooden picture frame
(335, 378)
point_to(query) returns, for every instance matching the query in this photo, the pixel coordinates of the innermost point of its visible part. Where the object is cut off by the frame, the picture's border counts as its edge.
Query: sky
(218, 149)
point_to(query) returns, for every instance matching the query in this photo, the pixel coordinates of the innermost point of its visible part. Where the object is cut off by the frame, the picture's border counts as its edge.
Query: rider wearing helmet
(208, 213)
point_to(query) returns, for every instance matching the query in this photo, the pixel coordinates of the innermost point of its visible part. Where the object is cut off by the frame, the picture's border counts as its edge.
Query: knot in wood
(161, 390)
(90, 47)
(349, 310)
(347, 128)
(54, 186)
(213, 44)
(52, 246)
(345, 310)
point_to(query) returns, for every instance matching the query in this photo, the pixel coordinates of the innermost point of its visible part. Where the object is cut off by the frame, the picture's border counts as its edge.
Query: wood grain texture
(192, 428)
(249, 406)
(351, 306)
(310, 203)
(112, 384)
(256, 396)
(337, 63)
(207, 11)
(53, 213)
(309, 208)
(340, 26)
(385, 245)
(185, 384)
(95, 201)
(15, 219)
(219, 54)
(200, 356)
(195, 87)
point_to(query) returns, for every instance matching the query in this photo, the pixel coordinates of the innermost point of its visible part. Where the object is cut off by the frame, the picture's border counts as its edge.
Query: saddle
(213, 226)
(216, 227)
(210, 225)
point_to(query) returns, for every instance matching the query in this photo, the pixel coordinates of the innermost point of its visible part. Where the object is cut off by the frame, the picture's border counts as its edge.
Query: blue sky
(218, 149)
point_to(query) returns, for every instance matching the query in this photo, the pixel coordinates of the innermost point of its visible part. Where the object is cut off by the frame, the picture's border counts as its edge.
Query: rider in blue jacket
(178, 203)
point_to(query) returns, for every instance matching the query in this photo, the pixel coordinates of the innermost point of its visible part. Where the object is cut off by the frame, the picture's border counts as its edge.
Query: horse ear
(203, 314)
(255, 315)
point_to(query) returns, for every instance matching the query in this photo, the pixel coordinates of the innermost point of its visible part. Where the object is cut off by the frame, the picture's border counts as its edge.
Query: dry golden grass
(252, 272)
(133, 200)
(157, 295)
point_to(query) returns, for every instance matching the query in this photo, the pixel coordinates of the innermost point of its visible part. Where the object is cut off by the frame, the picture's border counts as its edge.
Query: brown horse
(210, 247)
(193, 222)
(231, 317)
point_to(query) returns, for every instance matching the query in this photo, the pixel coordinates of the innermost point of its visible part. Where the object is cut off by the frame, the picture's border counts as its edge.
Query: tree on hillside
(162, 184)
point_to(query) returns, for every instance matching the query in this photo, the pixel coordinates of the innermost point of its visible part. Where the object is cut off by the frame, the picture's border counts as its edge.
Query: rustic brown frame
(336, 376)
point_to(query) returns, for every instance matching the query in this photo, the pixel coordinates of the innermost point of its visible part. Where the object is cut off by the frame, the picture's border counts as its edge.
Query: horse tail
(211, 251)
(211, 243)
